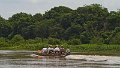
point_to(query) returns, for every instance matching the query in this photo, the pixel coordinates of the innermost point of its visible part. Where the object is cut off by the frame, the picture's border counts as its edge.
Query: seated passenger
(44, 51)
(67, 51)
(50, 49)
(62, 50)
(57, 50)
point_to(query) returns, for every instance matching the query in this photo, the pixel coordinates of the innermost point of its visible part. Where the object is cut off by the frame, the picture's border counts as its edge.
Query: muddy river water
(28, 59)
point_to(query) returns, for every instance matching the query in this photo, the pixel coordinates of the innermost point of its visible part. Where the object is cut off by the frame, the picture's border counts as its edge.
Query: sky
(10, 7)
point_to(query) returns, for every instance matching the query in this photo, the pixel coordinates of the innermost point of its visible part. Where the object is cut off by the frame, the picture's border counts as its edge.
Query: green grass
(89, 49)
(95, 49)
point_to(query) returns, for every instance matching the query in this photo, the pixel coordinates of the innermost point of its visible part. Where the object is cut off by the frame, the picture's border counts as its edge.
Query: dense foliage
(90, 24)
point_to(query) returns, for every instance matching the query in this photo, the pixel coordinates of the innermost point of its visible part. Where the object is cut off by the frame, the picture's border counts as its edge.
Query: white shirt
(50, 49)
(44, 50)
(57, 49)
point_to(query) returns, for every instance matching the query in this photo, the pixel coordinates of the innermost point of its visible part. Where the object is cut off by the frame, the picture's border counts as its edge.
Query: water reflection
(22, 59)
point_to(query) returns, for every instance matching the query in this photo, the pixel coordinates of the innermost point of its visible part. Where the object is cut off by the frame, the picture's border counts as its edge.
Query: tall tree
(56, 12)
(5, 28)
(20, 21)
(38, 17)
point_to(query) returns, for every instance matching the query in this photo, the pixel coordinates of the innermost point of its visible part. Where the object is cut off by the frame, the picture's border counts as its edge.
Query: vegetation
(88, 28)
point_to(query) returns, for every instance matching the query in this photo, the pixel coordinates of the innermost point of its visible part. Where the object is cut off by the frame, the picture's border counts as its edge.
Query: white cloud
(35, 1)
(9, 7)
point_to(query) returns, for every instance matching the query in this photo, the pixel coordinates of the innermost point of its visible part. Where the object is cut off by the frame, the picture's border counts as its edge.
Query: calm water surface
(27, 59)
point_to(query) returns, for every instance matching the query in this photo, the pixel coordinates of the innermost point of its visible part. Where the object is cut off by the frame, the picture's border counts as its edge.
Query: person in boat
(56, 50)
(62, 50)
(44, 51)
(67, 51)
(50, 49)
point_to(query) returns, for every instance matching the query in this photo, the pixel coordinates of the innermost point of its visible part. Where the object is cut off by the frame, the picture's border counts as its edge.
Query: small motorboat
(58, 54)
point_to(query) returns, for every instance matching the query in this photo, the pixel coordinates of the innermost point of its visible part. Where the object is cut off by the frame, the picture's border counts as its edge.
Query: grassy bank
(95, 49)
(74, 46)
(87, 49)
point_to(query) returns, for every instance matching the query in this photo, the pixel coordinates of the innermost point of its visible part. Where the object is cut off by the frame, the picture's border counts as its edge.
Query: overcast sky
(10, 7)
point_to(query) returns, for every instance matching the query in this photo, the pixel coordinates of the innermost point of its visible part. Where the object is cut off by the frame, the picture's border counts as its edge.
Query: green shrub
(3, 42)
(74, 42)
(96, 40)
(17, 39)
(54, 41)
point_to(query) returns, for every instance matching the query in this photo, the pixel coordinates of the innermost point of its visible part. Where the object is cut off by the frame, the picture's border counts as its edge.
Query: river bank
(83, 49)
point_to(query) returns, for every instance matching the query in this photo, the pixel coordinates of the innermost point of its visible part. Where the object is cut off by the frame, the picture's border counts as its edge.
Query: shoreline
(83, 49)
(76, 53)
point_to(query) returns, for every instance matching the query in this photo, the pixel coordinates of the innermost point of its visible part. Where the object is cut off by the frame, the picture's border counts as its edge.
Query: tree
(5, 28)
(74, 42)
(56, 12)
(85, 38)
(20, 21)
(53, 41)
(3, 42)
(21, 17)
(65, 20)
(42, 28)
(28, 32)
(116, 39)
(73, 32)
(113, 20)
(38, 17)
(96, 40)
(90, 24)
(93, 12)
(56, 31)
(17, 39)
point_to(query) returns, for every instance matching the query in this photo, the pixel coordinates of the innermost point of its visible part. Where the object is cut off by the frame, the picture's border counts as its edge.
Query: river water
(28, 59)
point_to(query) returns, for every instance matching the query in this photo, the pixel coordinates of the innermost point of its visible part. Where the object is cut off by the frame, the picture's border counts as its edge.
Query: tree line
(90, 24)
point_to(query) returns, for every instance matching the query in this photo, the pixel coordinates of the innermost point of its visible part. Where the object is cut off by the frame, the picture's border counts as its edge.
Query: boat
(63, 54)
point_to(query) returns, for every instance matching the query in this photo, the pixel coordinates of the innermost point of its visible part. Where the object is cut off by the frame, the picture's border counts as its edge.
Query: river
(27, 59)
